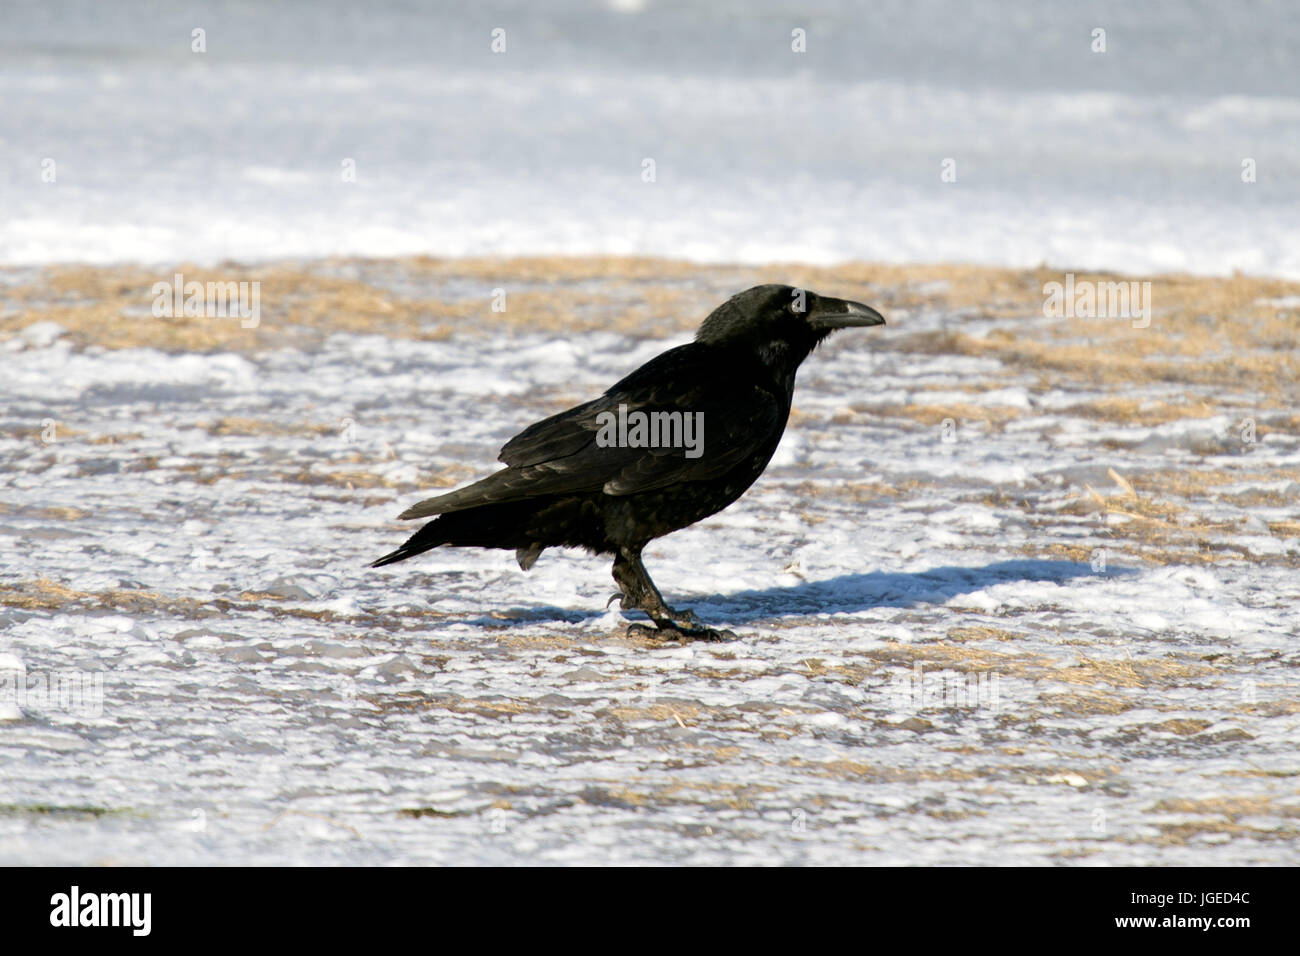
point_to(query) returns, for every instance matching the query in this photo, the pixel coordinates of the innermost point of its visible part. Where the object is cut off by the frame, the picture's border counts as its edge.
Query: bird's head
(783, 324)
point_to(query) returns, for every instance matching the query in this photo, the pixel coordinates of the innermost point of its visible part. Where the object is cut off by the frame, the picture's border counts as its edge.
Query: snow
(268, 699)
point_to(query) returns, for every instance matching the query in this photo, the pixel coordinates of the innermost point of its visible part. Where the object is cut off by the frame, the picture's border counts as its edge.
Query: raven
(583, 479)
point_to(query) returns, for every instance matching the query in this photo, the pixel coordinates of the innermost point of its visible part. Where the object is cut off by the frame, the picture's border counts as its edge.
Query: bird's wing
(561, 454)
(672, 374)
(732, 424)
(559, 436)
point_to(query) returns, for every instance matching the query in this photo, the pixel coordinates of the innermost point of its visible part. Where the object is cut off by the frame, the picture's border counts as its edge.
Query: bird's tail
(426, 539)
(487, 526)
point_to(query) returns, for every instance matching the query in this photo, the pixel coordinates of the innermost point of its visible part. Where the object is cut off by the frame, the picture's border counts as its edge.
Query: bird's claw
(682, 633)
(686, 617)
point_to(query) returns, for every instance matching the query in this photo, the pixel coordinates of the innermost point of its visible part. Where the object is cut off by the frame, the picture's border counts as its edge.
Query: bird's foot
(626, 602)
(686, 617)
(657, 610)
(679, 632)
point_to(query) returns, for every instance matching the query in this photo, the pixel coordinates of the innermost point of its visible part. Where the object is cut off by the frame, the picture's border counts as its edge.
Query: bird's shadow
(846, 593)
(849, 593)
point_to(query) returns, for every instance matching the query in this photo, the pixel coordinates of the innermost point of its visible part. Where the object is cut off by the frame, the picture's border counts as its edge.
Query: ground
(1015, 589)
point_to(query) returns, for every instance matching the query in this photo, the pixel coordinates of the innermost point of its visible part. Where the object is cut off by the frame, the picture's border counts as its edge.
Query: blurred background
(1127, 159)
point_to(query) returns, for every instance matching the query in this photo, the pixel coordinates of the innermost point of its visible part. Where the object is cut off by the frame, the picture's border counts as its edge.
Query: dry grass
(963, 412)
(960, 634)
(1223, 816)
(1159, 517)
(1202, 329)
(873, 773)
(251, 427)
(47, 595)
(1131, 411)
(1184, 727)
(963, 658)
(1086, 704)
(52, 512)
(1230, 808)
(1159, 672)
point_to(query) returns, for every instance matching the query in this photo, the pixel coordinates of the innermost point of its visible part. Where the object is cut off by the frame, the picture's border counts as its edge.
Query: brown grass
(1203, 329)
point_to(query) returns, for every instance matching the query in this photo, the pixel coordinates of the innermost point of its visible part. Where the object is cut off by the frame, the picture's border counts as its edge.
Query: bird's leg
(640, 593)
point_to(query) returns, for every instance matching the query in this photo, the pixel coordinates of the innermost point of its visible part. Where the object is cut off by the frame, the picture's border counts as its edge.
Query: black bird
(578, 480)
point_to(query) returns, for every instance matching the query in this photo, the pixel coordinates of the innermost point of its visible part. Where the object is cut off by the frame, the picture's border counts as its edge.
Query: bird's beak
(830, 314)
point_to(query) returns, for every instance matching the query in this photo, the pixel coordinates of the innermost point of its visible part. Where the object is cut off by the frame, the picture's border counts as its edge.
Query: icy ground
(947, 653)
